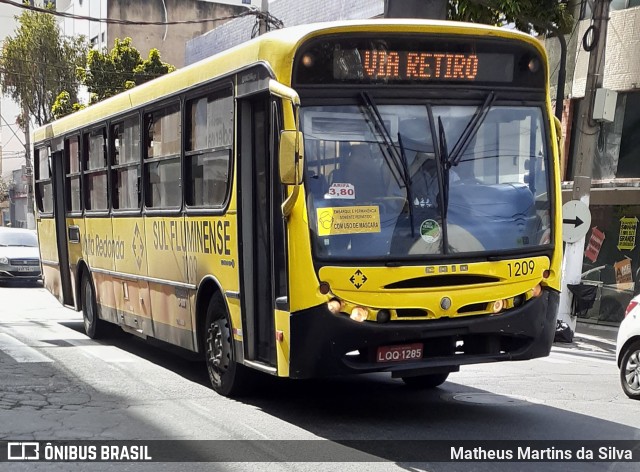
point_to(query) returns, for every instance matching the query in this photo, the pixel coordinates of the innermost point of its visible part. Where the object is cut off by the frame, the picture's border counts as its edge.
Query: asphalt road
(56, 384)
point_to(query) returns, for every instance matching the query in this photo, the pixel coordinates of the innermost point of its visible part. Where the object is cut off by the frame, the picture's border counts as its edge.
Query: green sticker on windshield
(430, 231)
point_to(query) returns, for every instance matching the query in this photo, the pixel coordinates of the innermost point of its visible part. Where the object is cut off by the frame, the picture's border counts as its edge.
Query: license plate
(27, 269)
(400, 353)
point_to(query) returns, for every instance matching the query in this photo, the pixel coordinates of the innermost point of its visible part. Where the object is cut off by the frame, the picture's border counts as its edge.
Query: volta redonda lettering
(407, 65)
(99, 246)
(206, 237)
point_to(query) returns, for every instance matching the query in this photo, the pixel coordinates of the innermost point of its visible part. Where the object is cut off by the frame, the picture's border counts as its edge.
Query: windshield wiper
(471, 130)
(405, 168)
(391, 156)
(445, 164)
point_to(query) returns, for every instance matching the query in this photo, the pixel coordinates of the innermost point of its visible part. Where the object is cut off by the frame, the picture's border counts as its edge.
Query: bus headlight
(335, 306)
(359, 314)
(537, 291)
(497, 306)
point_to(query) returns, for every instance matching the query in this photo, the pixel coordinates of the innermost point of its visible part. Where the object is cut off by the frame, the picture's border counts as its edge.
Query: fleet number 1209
(520, 268)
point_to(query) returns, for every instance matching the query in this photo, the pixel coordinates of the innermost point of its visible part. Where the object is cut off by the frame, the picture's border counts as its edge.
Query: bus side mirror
(291, 157)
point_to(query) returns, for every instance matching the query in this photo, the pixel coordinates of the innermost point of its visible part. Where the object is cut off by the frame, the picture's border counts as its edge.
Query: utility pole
(263, 19)
(432, 9)
(586, 149)
(31, 221)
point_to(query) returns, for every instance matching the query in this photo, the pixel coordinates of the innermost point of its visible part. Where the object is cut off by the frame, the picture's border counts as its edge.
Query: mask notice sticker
(348, 220)
(430, 231)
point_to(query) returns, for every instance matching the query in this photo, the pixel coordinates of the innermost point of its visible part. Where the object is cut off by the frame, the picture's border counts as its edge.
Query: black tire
(93, 325)
(630, 371)
(425, 381)
(228, 378)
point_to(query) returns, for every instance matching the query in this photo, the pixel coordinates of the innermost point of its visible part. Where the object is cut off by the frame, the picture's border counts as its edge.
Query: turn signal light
(324, 288)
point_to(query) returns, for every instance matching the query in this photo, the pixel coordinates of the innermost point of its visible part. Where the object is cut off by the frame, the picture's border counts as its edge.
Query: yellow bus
(338, 198)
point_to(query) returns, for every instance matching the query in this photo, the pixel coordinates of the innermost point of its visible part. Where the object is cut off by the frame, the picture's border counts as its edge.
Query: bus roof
(276, 48)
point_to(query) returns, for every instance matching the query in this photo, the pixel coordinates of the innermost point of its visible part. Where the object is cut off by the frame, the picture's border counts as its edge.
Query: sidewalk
(593, 338)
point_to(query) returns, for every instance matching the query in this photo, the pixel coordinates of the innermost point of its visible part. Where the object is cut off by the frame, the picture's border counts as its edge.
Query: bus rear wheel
(227, 377)
(93, 325)
(425, 381)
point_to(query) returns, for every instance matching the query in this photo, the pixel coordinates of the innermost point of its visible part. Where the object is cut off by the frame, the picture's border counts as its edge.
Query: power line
(271, 20)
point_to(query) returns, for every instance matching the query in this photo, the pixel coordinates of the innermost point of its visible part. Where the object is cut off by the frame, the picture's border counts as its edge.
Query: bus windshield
(402, 181)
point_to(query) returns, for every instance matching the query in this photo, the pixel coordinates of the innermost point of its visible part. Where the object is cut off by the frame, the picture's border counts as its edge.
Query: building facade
(612, 253)
(168, 39)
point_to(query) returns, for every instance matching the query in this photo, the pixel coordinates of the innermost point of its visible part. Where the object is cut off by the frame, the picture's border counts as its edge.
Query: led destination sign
(419, 59)
(416, 65)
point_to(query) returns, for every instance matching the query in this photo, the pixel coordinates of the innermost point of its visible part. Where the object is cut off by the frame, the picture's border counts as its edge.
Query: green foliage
(4, 190)
(108, 73)
(541, 16)
(38, 63)
(151, 68)
(64, 106)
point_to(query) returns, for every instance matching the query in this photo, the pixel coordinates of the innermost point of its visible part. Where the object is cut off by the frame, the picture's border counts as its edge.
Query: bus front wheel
(93, 325)
(227, 377)
(425, 381)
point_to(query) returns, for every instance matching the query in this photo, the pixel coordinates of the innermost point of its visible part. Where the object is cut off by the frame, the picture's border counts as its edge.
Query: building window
(162, 158)
(44, 188)
(125, 164)
(95, 176)
(209, 146)
(72, 174)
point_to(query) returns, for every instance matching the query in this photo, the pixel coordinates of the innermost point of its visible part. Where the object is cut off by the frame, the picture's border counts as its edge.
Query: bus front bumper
(324, 344)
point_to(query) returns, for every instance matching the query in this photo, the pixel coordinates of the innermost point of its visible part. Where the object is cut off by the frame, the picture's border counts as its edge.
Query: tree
(541, 16)
(4, 190)
(38, 63)
(108, 73)
(64, 106)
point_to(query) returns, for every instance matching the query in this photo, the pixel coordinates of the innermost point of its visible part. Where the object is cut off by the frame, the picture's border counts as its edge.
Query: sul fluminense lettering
(206, 237)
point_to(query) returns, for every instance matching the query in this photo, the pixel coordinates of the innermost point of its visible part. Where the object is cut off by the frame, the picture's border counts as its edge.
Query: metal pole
(31, 221)
(586, 148)
(562, 75)
(263, 20)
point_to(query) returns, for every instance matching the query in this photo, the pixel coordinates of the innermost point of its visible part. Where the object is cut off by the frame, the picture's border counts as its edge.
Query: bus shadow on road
(184, 363)
(369, 412)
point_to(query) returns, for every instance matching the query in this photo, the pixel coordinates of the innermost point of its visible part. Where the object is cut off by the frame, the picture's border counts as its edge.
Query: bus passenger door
(262, 254)
(59, 215)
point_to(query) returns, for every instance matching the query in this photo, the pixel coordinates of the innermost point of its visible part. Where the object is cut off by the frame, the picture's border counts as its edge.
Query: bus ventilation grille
(442, 281)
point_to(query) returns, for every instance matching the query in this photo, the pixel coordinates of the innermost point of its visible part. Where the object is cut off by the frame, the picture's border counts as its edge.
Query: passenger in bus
(362, 172)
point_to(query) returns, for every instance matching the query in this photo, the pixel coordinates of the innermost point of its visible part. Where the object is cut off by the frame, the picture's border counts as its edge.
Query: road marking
(109, 354)
(555, 361)
(19, 351)
(583, 358)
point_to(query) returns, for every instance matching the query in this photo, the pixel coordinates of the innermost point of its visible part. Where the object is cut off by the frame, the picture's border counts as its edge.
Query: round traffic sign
(576, 221)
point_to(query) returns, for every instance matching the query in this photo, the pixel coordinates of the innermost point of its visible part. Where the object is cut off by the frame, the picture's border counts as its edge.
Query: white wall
(12, 146)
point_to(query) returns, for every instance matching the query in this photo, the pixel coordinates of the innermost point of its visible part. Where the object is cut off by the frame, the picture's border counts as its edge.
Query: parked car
(628, 350)
(19, 255)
